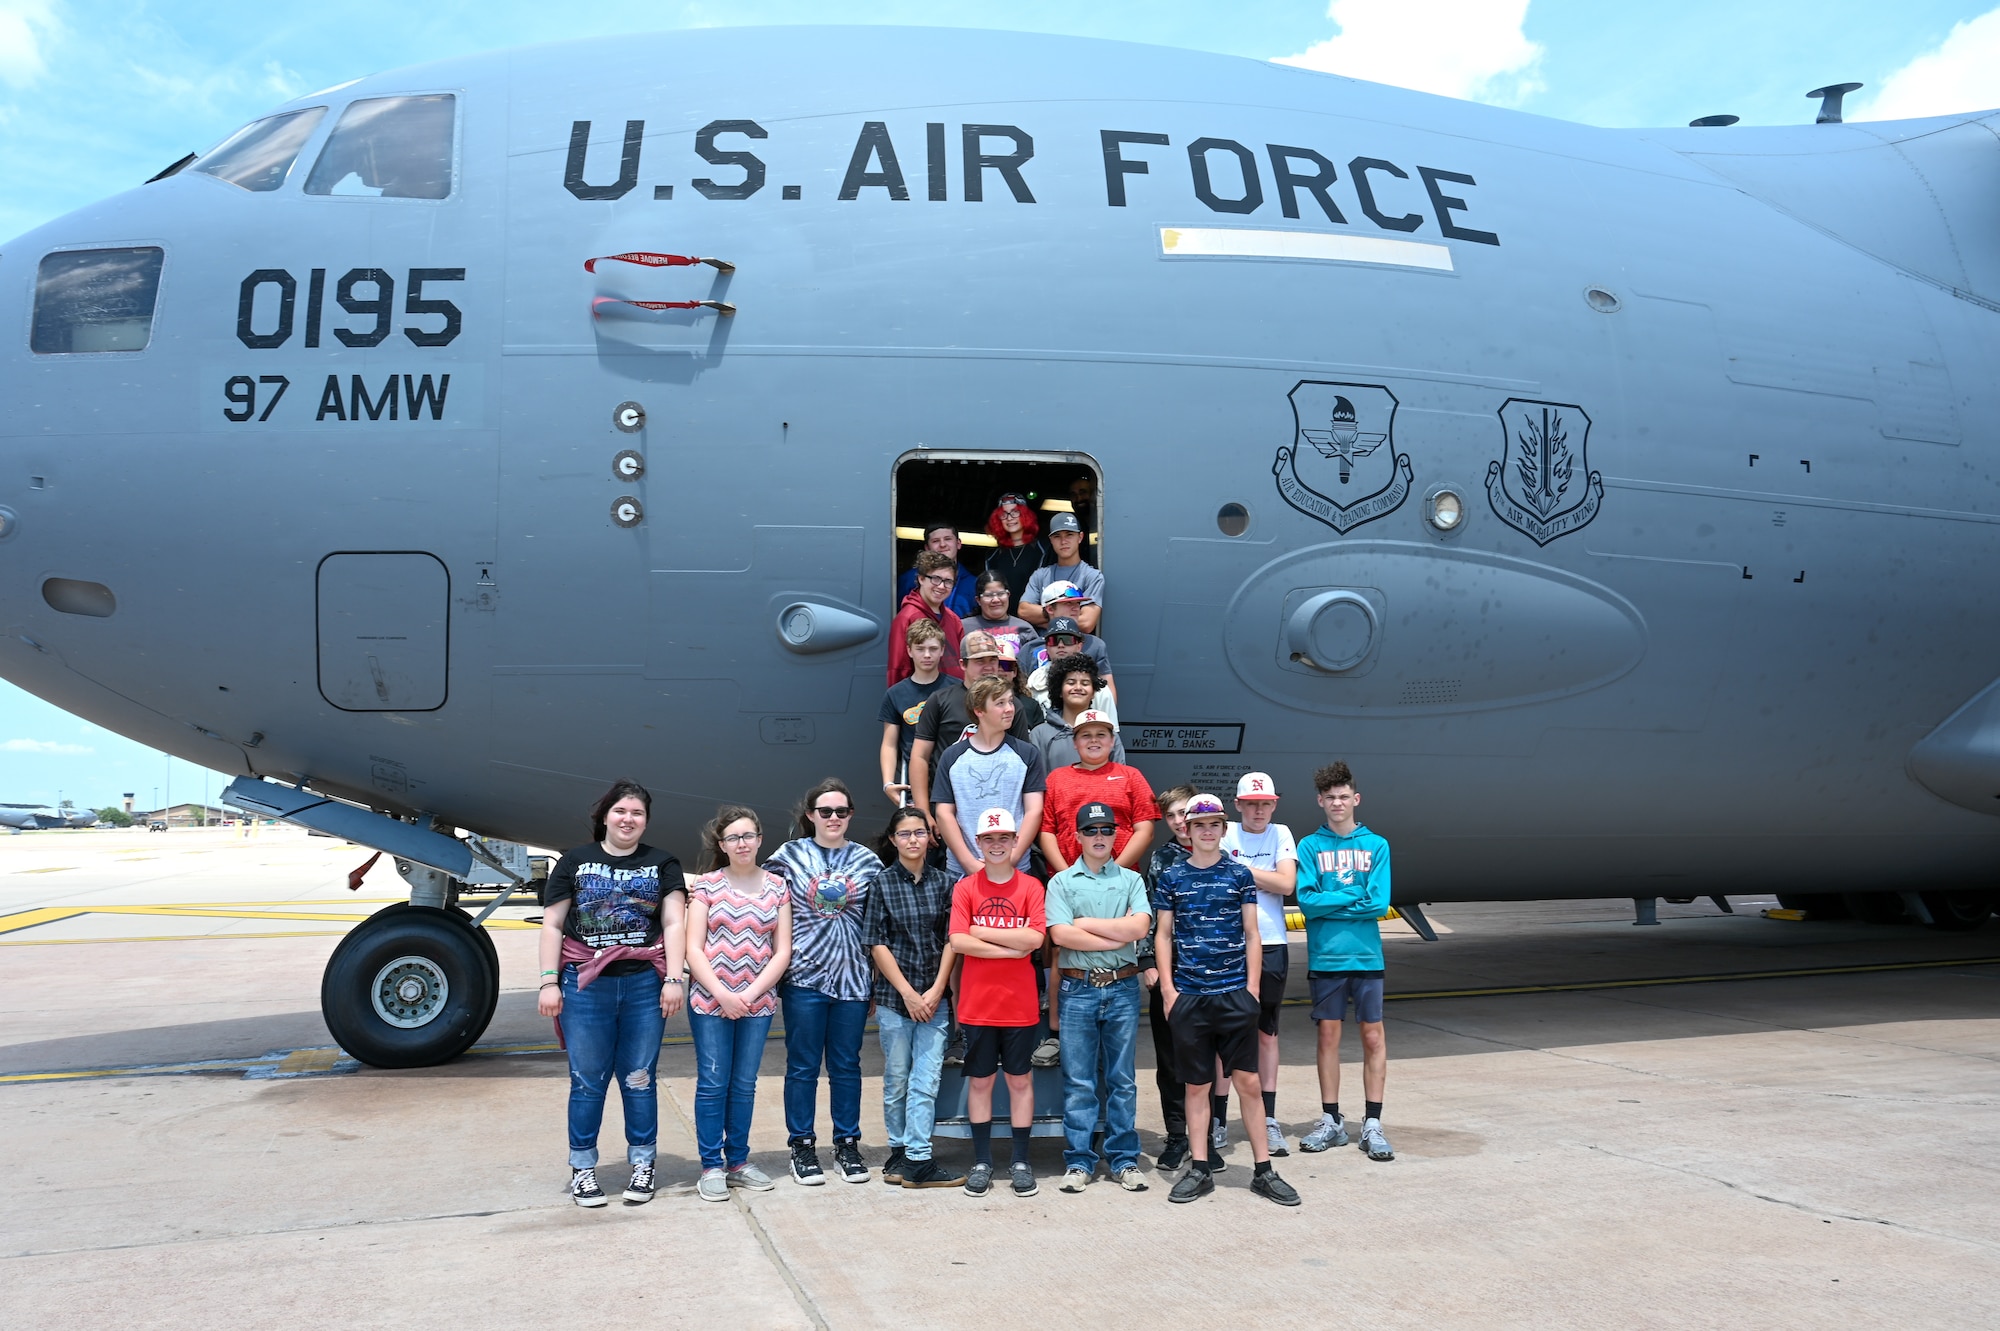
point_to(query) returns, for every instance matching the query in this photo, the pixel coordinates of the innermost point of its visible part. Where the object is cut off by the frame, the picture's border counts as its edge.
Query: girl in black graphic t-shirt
(613, 948)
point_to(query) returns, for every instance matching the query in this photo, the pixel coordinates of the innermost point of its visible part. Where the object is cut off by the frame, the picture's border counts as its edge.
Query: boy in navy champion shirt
(1207, 911)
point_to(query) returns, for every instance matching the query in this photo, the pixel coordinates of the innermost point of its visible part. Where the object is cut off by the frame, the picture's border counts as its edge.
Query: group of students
(827, 930)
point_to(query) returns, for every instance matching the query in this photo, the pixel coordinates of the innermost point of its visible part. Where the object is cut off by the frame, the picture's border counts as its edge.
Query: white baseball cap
(1061, 590)
(1256, 786)
(1093, 718)
(1204, 806)
(994, 820)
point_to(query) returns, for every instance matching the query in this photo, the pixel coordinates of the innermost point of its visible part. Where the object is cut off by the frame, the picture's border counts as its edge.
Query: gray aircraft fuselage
(1716, 405)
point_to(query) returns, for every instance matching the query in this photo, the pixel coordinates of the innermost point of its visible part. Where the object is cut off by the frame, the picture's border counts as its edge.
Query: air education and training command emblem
(1542, 486)
(1343, 444)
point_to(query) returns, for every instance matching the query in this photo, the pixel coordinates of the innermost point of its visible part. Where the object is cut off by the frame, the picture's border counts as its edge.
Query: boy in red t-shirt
(997, 926)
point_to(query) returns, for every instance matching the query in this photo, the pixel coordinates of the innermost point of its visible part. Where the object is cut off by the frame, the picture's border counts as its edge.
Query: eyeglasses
(1097, 831)
(740, 838)
(912, 832)
(826, 811)
(939, 580)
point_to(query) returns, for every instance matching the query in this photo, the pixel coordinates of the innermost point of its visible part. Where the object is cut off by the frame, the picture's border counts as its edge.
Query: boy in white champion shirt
(1267, 850)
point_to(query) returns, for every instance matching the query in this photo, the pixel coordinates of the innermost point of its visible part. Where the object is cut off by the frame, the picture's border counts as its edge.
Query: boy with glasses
(941, 538)
(998, 924)
(925, 600)
(1343, 891)
(1097, 912)
(1207, 909)
(1266, 849)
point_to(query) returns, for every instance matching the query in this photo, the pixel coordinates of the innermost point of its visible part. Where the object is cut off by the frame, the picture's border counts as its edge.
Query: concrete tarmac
(1803, 1150)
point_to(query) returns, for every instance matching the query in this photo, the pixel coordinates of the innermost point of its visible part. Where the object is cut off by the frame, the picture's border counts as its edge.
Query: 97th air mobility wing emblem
(1342, 466)
(1542, 486)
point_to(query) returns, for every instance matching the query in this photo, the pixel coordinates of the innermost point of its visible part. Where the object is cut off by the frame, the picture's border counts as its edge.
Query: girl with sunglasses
(825, 993)
(739, 928)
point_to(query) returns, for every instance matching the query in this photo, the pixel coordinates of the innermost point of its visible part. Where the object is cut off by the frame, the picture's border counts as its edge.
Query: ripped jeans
(613, 1028)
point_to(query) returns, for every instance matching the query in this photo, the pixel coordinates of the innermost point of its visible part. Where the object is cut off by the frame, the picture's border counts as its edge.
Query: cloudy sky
(95, 96)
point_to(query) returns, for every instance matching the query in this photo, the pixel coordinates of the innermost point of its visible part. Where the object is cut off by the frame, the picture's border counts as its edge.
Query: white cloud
(1962, 73)
(25, 25)
(1460, 48)
(43, 746)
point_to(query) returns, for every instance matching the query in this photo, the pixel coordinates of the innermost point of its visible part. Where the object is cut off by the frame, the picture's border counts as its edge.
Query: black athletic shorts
(1211, 1026)
(991, 1049)
(1333, 990)
(1271, 986)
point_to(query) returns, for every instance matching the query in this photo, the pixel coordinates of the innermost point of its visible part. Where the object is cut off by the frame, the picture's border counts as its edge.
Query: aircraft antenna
(1829, 101)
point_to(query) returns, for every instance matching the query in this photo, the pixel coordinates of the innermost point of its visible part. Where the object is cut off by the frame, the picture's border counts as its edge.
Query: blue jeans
(1100, 1030)
(727, 1054)
(820, 1028)
(613, 1027)
(912, 1063)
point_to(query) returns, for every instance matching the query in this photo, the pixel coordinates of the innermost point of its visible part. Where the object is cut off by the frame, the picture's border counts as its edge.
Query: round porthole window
(1444, 510)
(1233, 519)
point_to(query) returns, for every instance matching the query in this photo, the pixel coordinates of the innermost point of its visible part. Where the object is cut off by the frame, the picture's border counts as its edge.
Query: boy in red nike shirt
(997, 926)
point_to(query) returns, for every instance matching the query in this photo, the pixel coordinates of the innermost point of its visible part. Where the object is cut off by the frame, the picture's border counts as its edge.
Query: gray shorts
(1331, 991)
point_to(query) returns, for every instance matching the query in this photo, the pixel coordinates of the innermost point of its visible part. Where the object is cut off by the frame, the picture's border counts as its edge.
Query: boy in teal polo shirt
(1343, 889)
(1097, 912)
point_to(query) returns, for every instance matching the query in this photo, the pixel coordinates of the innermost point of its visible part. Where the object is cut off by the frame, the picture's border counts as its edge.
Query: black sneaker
(1216, 1164)
(979, 1180)
(583, 1189)
(1022, 1174)
(893, 1167)
(805, 1165)
(1268, 1184)
(1197, 1182)
(930, 1174)
(639, 1188)
(847, 1161)
(1174, 1154)
(954, 1049)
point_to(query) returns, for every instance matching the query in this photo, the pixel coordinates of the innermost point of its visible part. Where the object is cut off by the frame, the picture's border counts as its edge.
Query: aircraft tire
(1875, 907)
(1816, 905)
(1957, 912)
(411, 987)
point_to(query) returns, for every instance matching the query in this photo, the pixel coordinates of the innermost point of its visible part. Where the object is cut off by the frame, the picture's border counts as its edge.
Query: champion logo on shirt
(1344, 864)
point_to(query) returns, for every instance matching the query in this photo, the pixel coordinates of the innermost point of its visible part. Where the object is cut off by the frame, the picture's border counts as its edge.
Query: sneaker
(583, 1189)
(954, 1049)
(639, 1188)
(930, 1174)
(979, 1180)
(893, 1167)
(1174, 1154)
(749, 1176)
(1218, 1138)
(1197, 1182)
(1274, 1138)
(1048, 1053)
(1129, 1178)
(714, 1186)
(1268, 1184)
(805, 1165)
(1373, 1142)
(1022, 1175)
(848, 1163)
(1075, 1179)
(1330, 1133)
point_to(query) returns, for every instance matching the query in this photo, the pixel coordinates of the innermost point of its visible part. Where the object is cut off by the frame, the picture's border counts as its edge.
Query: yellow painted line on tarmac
(284, 910)
(28, 919)
(168, 938)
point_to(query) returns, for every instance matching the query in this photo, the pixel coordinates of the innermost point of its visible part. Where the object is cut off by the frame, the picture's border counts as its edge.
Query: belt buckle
(1103, 978)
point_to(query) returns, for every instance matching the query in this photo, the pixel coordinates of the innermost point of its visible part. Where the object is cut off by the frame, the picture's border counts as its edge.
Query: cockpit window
(259, 156)
(389, 148)
(96, 300)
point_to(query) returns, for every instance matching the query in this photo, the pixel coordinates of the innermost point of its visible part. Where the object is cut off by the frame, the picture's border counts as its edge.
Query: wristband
(552, 972)
(673, 981)
(551, 984)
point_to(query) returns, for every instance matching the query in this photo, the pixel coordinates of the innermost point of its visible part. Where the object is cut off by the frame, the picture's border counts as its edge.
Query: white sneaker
(1373, 1142)
(1274, 1138)
(714, 1186)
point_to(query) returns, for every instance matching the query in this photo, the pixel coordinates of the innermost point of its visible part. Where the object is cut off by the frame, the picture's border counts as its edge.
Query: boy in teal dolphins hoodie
(1343, 889)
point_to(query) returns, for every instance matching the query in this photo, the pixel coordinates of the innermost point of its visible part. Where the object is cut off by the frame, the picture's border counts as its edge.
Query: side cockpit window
(96, 300)
(389, 148)
(259, 156)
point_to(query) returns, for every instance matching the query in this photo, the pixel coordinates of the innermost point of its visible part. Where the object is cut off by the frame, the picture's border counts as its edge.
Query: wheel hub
(410, 992)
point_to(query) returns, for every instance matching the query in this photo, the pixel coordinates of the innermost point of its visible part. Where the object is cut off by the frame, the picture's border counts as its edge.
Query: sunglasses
(1097, 831)
(1012, 501)
(827, 811)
